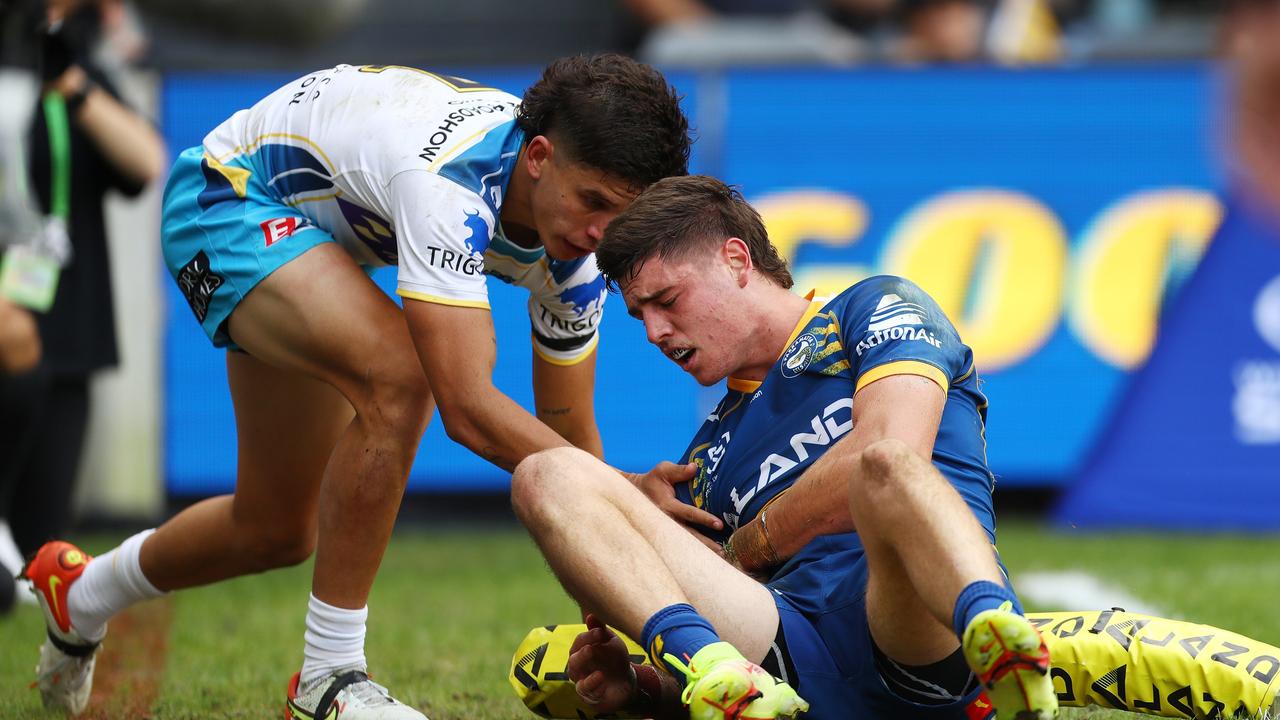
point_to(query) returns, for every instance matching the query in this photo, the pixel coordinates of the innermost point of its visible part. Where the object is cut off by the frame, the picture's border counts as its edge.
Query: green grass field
(450, 606)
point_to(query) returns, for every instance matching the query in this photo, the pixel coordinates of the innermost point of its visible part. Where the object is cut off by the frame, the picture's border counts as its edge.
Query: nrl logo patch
(798, 356)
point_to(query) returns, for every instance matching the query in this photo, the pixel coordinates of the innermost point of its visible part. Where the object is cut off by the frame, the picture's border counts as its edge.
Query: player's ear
(537, 154)
(738, 257)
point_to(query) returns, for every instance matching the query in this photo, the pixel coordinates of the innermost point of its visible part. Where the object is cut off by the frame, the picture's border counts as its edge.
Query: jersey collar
(750, 386)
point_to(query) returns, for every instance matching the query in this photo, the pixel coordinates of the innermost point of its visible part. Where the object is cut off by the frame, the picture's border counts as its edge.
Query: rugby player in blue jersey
(269, 226)
(856, 562)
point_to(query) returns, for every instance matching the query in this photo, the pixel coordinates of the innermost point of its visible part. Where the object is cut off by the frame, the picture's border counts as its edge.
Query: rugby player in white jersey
(268, 228)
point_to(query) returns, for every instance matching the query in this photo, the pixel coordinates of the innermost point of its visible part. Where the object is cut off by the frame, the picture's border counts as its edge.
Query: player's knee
(398, 404)
(281, 545)
(540, 480)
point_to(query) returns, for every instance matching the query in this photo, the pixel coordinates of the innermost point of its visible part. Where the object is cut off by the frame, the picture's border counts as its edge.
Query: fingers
(690, 515)
(589, 687)
(676, 474)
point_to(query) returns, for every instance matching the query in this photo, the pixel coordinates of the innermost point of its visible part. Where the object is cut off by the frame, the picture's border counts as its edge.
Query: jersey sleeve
(442, 231)
(565, 311)
(892, 327)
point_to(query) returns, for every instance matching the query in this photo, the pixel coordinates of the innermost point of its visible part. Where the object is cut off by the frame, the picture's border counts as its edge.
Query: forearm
(576, 425)
(497, 429)
(815, 505)
(125, 139)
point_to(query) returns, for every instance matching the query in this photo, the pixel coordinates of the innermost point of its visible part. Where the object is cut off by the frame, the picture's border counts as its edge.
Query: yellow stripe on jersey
(245, 149)
(464, 145)
(743, 386)
(903, 367)
(586, 353)
(831, 348)
(296, 201)
(238, 177)
(412, 294)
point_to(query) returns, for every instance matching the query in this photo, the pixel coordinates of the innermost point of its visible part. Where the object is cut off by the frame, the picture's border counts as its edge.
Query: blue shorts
(223, 233)
(830, 660)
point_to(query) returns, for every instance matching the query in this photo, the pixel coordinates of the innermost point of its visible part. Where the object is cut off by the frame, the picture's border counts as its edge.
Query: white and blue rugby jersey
(763, 436)
(406, 167)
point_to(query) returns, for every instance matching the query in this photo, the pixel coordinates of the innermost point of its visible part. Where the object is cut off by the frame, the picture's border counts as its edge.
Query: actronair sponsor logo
(896, 319)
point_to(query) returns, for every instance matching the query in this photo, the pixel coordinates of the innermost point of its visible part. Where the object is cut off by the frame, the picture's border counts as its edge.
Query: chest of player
(765, 439)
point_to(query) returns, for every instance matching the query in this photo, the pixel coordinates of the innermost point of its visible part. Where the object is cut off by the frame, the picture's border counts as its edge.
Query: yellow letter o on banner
(994, 261)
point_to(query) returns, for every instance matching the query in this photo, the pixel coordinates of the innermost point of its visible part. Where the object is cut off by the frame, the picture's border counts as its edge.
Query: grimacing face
(688, 309)
(573, 204)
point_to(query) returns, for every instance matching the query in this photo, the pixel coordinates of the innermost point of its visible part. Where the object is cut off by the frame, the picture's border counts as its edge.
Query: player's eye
(669, 301)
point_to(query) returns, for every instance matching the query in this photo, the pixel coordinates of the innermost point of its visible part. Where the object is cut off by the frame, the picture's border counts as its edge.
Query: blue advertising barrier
(1196, 442)
(1048, 211)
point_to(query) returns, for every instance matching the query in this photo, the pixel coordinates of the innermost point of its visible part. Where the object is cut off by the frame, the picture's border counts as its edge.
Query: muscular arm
(904, 407)
(457, 349)
(564, 396)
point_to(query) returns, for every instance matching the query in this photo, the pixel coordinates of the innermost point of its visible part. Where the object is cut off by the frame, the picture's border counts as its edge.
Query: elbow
(153, 166)
(459, 422)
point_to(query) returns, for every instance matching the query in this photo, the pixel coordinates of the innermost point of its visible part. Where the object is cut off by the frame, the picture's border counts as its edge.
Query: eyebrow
(634, 311)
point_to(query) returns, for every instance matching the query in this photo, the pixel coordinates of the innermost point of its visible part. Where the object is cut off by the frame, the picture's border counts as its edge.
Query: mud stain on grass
(131, 663)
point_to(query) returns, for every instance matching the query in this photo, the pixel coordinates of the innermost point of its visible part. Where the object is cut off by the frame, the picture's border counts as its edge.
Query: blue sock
(678, 630)
(977, 597)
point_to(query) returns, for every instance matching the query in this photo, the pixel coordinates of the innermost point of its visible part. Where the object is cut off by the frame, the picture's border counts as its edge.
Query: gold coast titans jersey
(406, 167)
(763, 435)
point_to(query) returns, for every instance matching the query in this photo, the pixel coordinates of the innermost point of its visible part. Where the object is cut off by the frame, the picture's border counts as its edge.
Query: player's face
(691, 312)
(572, 205)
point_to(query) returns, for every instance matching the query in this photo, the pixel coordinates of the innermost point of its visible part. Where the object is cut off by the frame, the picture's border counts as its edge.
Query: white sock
(10, 555)
(334, 639)
(110, 583)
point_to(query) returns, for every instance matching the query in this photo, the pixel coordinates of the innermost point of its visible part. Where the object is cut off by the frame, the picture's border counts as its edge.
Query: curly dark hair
(679, 215)
(613, 113)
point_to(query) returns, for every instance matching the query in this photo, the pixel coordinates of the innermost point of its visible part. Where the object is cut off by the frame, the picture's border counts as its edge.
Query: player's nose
(656, 328)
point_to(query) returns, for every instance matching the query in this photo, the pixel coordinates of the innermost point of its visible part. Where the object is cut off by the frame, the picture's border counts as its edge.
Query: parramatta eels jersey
(406, 167)
(762, 436)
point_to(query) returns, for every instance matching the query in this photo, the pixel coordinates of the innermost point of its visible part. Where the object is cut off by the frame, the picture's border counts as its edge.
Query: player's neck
(517, 205)
(779, 311)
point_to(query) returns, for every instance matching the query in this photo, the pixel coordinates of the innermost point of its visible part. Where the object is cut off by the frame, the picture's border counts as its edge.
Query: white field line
(1078, 590)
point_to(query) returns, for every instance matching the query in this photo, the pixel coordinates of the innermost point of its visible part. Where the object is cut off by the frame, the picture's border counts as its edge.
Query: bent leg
(287, 425)
(625, 560)
(317, 318)
(923, 547)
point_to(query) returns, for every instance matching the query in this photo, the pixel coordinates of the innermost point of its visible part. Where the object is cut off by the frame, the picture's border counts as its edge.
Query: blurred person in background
(1250, 37)
(947, 31)
(269, 226)
(717, 32)
(82, 142)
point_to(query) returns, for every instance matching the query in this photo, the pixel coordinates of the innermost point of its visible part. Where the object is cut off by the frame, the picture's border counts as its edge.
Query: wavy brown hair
(679, 215)
(611, 113)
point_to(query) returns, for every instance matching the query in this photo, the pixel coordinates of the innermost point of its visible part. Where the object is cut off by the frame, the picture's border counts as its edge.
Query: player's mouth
(682, 356)
(576, 249)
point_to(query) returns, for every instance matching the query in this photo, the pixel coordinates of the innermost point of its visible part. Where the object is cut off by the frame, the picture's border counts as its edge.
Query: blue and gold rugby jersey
(762, 436)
